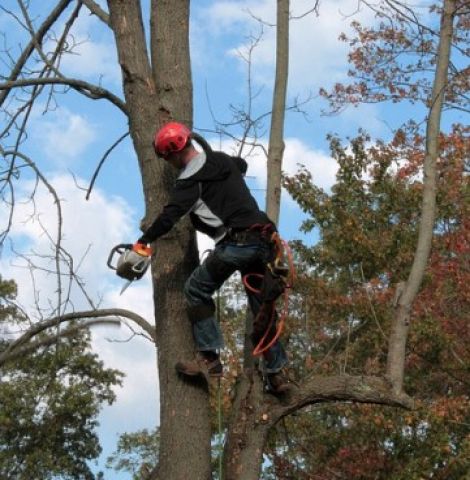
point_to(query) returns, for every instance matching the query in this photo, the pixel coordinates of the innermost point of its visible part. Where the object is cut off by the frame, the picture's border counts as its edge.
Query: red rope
(261, 347)
(247, 285)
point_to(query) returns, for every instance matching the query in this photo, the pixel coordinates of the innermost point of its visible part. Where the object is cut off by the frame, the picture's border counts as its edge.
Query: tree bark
(154, 96)
(276, 136)
(255, 413)
(400, 325)
(247, 432)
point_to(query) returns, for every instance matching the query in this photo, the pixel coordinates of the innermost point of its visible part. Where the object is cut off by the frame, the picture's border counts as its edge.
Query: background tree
(136, 453)
(386, 61)
(50, 402)
(368, 227)
(276, 137)
(395, 60)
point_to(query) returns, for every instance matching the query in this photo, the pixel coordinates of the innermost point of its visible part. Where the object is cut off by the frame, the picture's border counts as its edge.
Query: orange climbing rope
(282, 267)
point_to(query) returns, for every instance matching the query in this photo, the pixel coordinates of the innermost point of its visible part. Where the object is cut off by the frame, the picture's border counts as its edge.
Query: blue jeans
(208, 277)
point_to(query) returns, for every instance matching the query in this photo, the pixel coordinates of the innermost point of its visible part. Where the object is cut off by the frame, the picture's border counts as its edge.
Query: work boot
(278, 383)
(205, 364)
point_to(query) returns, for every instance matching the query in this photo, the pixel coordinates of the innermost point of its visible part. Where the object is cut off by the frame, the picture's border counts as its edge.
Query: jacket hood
(203, 169)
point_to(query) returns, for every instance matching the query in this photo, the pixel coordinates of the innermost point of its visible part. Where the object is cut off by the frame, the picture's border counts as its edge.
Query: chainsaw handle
(118, 249)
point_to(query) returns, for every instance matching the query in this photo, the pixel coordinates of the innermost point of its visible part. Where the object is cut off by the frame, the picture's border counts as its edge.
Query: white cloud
(317, 57)
(62, 135)
(296, 153)
(322, 166)
(90, 229)
(94, 54)
(96, 226)
(366, 116)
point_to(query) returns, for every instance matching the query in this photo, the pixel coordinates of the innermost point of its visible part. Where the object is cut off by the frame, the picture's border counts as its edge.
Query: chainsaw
(133, 262)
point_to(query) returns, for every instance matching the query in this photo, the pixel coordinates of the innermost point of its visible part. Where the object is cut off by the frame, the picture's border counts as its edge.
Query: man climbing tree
(210, 187)
(157, 87)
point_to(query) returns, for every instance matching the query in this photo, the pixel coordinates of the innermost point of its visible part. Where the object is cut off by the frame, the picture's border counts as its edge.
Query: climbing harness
(132, 263)
(276, 281)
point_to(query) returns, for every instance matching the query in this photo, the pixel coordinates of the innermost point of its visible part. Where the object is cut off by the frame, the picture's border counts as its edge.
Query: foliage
(395, 59)
(137, 453)
(367, 226)
(50, 401)
(8, 310)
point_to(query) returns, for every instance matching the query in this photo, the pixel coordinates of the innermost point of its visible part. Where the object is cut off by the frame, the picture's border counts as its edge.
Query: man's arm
(183, 197)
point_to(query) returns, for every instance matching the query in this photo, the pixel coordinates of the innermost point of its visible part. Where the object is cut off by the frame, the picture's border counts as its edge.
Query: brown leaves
(391, 61)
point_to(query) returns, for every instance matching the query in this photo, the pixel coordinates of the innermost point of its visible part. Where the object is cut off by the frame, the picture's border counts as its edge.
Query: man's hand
(142, 249)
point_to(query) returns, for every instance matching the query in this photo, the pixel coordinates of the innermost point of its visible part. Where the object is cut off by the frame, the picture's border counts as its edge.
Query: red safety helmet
(172, 137)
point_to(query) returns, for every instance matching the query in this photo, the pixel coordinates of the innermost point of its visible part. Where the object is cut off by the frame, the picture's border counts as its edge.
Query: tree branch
(344, 388)
(91, 91)
(101, 162)
(95, 9)
(54, 321)
(50, 188)
(45, 342)
(37, 39)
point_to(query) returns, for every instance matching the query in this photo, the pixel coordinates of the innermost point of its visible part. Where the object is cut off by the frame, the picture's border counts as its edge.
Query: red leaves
(392, 61)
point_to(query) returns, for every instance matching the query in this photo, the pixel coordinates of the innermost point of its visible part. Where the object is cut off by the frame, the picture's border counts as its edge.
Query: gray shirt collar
(193, 166)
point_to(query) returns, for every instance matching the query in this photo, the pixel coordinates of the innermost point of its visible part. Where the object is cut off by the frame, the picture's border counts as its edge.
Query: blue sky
(74, 136)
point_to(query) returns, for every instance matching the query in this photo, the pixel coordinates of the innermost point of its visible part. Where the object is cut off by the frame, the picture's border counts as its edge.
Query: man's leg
(265, 323)
(275, 357)
(199, 289)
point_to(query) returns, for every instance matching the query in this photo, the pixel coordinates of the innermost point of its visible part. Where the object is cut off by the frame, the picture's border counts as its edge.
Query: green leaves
(137, 453)
(49, 404)
(367, 229)
(369, 216)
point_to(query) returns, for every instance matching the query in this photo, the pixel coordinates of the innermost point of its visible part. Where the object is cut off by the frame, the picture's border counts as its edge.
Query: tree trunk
(155, 96)
(276, 136)
(400, 325)
(255, 413)
(247, 430)
(248, 427)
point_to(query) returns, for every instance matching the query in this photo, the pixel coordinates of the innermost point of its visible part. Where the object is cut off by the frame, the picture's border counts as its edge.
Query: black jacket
(212, 190)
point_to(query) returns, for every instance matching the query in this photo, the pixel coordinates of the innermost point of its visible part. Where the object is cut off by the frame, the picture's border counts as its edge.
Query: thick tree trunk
(276, 136)
(154, 96)
(247, 430)
(400, 325)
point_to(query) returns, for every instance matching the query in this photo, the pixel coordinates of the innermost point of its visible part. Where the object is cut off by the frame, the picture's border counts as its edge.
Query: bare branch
(94, 92)
(37, 39)
(95, 9)
(101, 162)
(321, 389)
(52, 191)
(314, 9)
(49, 63)
(51, 322)
(45, 342)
